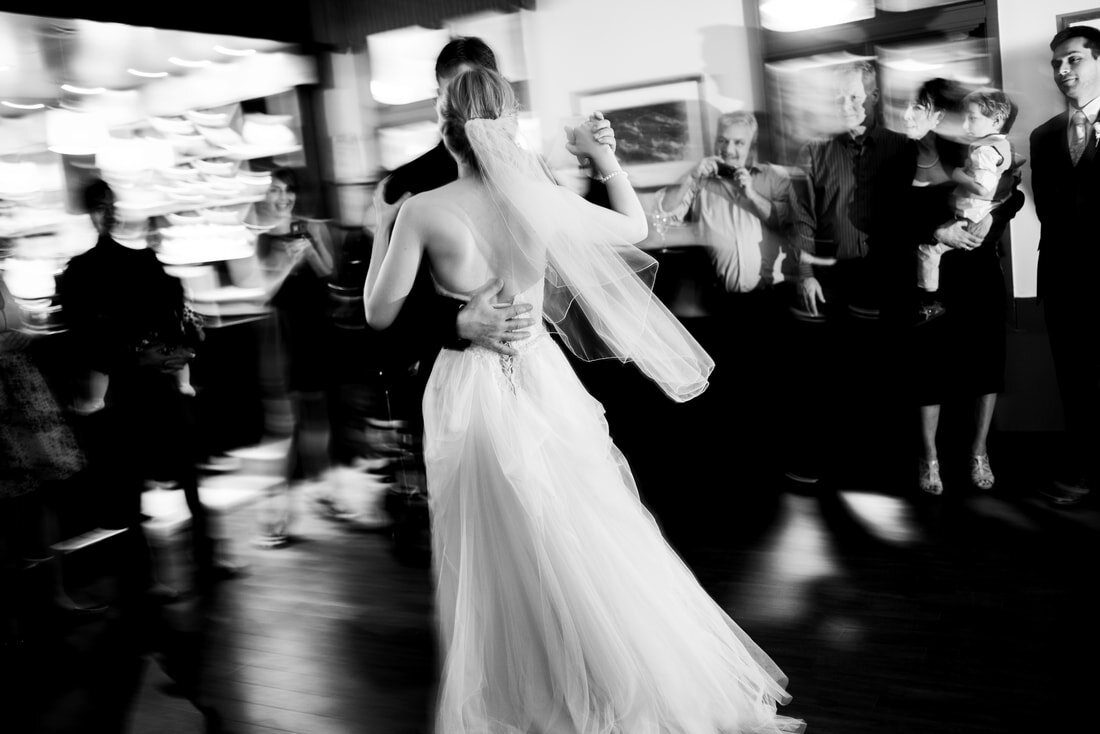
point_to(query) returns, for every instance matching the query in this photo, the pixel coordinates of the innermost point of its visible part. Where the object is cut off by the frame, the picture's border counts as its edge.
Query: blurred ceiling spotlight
(235, 51)
(788, 16)
(190, 63)
(912, 65)
(82, 90)
(148, 74)
(17, 106)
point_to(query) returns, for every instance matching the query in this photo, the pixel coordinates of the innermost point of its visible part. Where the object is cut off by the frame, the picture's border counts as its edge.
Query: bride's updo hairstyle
(474, 94)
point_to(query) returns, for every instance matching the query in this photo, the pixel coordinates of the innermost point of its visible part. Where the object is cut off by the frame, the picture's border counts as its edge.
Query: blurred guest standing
(742, 206)
(854, 183)
(742, 209)
(37, 451)
(962, 353)
(296, 258)
(113, 297)
(1066, 184)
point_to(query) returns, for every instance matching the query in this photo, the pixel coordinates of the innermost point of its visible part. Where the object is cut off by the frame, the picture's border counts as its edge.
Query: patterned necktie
(1079, 136)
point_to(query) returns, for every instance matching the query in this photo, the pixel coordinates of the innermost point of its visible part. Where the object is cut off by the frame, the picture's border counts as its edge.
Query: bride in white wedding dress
(562, 609)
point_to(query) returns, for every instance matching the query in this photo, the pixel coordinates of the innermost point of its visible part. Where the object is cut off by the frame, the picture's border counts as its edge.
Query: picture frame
(660, 126)
(1080, 17)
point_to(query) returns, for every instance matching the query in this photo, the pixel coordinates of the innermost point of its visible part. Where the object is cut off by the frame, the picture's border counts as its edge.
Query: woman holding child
(959, 344)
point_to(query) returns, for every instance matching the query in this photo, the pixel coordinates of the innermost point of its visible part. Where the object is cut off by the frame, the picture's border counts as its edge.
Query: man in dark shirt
(852, 182)
(842, 231)
(112, 297)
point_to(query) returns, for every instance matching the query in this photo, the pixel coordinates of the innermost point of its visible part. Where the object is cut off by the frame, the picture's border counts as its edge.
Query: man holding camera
(742, 209)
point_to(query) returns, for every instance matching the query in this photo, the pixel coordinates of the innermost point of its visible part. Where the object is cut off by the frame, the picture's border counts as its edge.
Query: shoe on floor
(929, 477)
(981, 475)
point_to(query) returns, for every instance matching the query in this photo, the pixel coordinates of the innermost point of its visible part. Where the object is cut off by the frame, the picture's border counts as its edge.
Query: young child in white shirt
(987, 112)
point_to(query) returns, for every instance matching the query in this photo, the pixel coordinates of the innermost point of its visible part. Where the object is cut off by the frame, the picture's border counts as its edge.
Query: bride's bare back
(459, 225)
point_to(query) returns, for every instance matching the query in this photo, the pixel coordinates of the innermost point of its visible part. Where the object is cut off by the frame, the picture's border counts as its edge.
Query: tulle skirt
(561, 608)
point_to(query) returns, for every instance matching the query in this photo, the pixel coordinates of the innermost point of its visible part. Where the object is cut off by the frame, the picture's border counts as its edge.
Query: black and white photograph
(549, 367)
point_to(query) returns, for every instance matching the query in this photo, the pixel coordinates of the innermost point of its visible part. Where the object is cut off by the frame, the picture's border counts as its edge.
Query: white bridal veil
(599, 286)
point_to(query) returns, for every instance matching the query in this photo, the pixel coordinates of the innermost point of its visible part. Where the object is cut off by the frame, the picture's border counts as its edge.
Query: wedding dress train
(562, 609)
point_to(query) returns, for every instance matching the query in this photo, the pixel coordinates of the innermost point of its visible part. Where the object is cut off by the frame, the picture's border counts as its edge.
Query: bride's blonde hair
(477, 93)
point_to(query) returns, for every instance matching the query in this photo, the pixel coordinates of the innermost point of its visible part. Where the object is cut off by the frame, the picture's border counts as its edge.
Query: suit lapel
(1061, 138)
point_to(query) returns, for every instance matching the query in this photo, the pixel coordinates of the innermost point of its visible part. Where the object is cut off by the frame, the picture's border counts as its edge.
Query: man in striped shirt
(842, 232)
(852, 180)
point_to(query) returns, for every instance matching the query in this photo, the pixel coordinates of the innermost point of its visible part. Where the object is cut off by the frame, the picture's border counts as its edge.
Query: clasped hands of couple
(959, 234)
(485, 320)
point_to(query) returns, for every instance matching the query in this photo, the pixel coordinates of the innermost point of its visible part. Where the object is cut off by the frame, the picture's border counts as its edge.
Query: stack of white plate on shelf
(268, 131)
(184, 193)
(132, 198)
(129, 166)
(226, 214)
(21, 181)
(255, 183)
(21, 220)
(180, 134)
(219, 175)
(208, 119)
(221, 137)
(202, 237)
(177, 174)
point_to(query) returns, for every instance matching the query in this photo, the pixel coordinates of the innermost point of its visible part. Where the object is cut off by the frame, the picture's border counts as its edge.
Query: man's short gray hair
(740, 117)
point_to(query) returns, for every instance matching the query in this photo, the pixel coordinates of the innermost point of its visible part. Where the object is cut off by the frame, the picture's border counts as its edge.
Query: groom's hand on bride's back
(485, 322)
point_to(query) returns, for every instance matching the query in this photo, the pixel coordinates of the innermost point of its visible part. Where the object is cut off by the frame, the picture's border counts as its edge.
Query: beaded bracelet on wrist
(613, 174)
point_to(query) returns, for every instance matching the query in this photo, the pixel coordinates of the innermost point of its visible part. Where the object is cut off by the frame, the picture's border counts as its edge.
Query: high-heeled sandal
(981, 475)
(930, 481)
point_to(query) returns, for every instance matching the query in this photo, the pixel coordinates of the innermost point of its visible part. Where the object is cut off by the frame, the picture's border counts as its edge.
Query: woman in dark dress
(38, 452)
(960, 354)
(297, 258)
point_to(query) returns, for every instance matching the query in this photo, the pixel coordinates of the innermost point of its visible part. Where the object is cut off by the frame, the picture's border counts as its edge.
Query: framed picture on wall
(660, 126)
(1082, 17)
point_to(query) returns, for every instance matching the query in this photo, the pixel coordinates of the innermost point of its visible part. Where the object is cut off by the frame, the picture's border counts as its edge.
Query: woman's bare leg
(983, 420)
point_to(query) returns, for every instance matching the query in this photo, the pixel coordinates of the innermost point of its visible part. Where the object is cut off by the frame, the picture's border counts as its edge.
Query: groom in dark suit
(1066, 183)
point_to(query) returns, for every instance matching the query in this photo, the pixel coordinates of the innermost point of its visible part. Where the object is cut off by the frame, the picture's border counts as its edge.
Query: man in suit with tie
(1066, 184)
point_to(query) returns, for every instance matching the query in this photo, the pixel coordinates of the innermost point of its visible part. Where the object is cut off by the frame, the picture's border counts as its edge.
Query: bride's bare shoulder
(451, 198)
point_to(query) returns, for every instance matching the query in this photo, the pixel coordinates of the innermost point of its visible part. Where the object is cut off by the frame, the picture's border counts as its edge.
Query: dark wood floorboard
(890, 612)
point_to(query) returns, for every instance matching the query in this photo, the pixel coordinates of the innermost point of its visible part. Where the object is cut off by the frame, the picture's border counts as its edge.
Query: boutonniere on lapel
(1096, 131)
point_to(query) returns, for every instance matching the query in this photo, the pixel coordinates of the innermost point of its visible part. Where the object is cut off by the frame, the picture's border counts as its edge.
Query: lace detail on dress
(510, 367)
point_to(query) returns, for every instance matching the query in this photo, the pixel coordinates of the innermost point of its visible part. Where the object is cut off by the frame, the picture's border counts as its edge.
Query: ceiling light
(802, 15)
(17, 106)
(189, 62)
(83, 90)
(235, 51)
(148, 74)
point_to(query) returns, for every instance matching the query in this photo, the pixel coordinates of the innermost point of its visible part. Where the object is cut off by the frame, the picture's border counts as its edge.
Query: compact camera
(726, 171)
